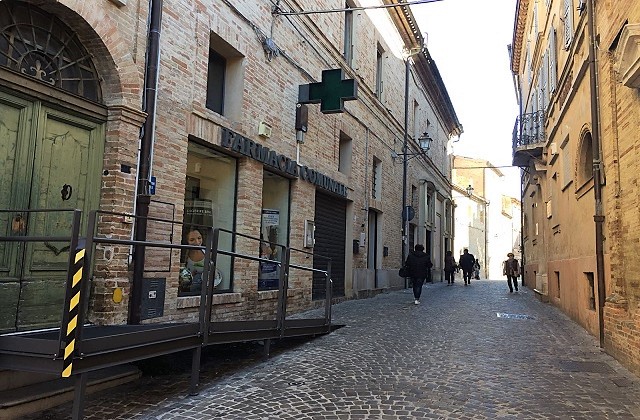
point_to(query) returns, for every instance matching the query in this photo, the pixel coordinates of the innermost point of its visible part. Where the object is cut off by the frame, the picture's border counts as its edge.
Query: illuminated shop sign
(240, 144)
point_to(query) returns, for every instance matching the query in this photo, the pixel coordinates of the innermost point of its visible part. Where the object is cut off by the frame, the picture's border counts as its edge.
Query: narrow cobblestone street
(475, 352)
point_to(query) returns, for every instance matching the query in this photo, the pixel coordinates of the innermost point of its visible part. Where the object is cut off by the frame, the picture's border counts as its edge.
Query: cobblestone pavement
(475, 352)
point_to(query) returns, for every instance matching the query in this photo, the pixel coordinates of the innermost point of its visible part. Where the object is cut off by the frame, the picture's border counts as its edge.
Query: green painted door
(56, 166)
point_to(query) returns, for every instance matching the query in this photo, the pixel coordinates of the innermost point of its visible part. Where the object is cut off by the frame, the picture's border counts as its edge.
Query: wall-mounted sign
(330, 93)
(240, 144)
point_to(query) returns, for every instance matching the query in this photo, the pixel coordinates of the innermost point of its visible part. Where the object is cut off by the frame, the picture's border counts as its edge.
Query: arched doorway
(51, 153)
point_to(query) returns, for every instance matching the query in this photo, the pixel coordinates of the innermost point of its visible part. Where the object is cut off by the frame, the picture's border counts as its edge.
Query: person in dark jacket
(449, 267)
(418, 268)
(511, 269)
(467, 261)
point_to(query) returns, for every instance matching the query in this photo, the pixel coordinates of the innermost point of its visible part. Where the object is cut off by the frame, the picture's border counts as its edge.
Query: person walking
(449, 267)
(511, 269)
(476, 270)
(467, 262)
(418, 265)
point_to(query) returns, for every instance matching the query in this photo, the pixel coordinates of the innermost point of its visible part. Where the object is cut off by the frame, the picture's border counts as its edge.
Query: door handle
(18, 224)
(66, 192)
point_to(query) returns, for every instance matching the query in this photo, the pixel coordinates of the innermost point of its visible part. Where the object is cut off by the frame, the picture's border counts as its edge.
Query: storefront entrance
(331, 222)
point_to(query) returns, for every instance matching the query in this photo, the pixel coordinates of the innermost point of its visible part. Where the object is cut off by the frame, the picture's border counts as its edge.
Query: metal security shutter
(331, 222)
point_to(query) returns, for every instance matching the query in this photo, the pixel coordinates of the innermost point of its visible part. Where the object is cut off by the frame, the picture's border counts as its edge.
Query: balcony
(528, 138)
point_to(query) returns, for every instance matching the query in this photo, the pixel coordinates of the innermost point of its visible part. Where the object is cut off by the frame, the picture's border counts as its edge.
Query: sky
(468, 41)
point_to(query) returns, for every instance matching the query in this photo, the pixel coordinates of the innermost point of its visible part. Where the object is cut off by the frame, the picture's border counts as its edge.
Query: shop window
(274, 228)
(345, 154)
(224, 79)
(209, 200)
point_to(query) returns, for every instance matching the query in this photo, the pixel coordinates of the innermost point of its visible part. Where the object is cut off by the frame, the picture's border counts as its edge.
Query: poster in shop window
(269, 273)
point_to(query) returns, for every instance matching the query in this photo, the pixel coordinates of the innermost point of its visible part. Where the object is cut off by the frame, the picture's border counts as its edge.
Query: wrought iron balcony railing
(528, 129)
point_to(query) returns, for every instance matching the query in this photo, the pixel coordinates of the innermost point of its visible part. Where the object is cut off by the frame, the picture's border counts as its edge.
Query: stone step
(40, 396)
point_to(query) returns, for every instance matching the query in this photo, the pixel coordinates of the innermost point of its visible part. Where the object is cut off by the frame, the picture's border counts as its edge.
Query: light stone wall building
(576, 64)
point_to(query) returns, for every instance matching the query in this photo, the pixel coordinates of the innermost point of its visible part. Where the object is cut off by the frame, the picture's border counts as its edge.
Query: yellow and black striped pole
(73, 311)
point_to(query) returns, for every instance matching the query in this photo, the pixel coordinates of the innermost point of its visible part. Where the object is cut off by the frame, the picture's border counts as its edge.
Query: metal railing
(529, 129)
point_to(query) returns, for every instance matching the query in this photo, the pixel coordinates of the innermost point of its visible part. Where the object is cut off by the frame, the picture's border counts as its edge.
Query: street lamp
(425, 141)
(469, 191)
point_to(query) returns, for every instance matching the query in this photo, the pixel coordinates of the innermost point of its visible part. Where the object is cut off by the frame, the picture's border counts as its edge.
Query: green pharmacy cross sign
(331, 92)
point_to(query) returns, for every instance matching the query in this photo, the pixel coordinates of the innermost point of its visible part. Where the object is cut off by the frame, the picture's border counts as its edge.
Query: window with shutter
(553, 65)
(544, 82)
(567, 168)
(535, 20)
(567, 18)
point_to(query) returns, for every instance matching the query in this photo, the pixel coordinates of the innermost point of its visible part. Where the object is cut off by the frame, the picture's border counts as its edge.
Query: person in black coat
(419, 269)
(449, 267)
(467, 261)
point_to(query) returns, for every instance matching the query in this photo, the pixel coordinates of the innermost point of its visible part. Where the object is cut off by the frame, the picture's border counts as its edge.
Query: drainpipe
(597, 168)
(143, 198)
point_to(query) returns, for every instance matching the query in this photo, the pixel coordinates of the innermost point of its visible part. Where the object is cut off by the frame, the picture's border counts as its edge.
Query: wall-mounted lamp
(469, 191)
(424, 142)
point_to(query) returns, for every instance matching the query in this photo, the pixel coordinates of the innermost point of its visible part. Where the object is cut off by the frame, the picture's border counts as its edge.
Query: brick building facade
(225, 149)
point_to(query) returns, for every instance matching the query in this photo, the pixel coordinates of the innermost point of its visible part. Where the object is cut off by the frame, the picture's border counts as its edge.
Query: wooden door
(62, 166)
(15, 121)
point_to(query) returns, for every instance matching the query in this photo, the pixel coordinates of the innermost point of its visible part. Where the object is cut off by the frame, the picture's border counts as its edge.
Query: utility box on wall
(152, 298)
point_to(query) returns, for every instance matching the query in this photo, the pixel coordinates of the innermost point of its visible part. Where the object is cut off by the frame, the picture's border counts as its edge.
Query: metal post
(597, 167)
(77, 412)
(405, 166)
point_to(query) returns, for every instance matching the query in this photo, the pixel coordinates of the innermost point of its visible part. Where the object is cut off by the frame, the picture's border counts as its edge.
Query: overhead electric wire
(277, 10)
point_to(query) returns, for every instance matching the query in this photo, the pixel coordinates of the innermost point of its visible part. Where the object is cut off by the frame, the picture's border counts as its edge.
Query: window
(447, 218)
(39, 45)
(348, 34)
(553, 61)
(209, 199)
(274, 228)
(567, 166)
(585, 166)
(414, 120)
(557, 273)
(431, 213)
(414, 196)
(376, 179)
(544, 84)
(567, 19)
(379, 65)
(535, 20)
(215, 82)
(345, 154)
(529, 65)
(225, 79)
(592, 291)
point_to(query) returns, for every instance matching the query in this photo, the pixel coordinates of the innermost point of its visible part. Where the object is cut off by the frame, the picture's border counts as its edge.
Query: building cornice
(407, 27)
(519, 25)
